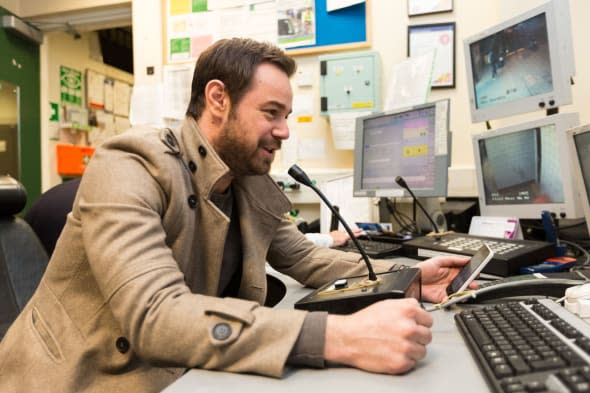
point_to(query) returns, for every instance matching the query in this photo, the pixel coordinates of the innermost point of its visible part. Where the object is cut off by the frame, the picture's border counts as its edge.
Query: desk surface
(448, 367)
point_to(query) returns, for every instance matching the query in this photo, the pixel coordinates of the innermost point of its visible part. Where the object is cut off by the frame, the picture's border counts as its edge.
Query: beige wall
(389, 23)
(47, 7)
(11, 5)
(61, 49)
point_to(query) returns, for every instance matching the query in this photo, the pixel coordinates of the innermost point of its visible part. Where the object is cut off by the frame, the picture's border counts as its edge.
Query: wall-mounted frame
(422, 7)
(439, 37)
(189, 27)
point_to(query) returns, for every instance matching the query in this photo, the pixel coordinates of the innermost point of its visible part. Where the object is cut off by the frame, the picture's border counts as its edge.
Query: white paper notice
(332, 5)
(177, 81)
(146, 106)
(410, 84)
(353, 209)
(312, 148)
(343, 128)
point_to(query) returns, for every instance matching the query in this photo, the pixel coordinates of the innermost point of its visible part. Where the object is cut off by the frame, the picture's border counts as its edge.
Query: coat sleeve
(291, 253)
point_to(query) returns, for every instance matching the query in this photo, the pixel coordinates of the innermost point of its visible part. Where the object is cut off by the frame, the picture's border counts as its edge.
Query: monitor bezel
(569, 208)
(579, 183)
(561, 56)
(441, 188)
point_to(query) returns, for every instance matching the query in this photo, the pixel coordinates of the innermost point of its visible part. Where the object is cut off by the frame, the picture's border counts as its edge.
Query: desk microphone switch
(345, 296)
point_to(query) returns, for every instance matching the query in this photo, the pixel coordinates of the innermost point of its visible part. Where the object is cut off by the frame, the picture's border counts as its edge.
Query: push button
(202, 151)
(122, 344)
(221, 331)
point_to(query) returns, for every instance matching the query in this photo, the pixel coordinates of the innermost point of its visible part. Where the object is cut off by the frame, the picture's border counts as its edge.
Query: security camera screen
(582, 142)
(522, 167)
(512, 64)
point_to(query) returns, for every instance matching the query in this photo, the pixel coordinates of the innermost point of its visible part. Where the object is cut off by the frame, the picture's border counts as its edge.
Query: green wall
(28, 78)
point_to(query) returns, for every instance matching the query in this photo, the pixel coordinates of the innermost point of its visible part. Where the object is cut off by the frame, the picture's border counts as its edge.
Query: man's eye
(271, 112)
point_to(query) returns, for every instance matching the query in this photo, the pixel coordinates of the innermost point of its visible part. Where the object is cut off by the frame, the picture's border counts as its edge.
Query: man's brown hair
(233, 61)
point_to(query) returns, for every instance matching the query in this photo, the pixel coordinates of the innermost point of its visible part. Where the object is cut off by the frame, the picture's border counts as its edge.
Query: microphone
(347, 295)
(402, 183)
(299, 175)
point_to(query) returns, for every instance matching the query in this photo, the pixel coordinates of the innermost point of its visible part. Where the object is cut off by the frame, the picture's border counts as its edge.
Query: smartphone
(470, 271)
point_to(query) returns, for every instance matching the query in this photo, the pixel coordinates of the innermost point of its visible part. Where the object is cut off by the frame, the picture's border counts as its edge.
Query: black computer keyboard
(374, 248)
(528, 346)
(509, 255)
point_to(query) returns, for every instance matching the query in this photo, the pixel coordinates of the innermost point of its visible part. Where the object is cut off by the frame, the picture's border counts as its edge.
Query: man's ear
(217, 98)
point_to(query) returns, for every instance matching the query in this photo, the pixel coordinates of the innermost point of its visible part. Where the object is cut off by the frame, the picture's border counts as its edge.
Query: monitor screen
(521, 65)
(412, 143)
(523, 169)
(579, 144)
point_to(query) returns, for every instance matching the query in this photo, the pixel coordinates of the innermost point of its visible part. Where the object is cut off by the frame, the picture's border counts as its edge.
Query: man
(161, 264)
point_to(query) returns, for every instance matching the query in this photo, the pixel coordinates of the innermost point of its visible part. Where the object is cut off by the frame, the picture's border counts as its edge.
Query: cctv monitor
(524, 169)
(522, 64)
(412, 143)
(579, 147)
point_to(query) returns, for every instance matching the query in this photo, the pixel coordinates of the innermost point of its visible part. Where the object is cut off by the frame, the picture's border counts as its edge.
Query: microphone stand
(299, 175)
(402, 183)
(347, 295)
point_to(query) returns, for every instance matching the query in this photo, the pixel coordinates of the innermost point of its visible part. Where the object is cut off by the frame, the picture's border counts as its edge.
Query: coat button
(122, 344)
(192, 201)
(202, 151)
(170, 139)
(192, 166)
(221, 331)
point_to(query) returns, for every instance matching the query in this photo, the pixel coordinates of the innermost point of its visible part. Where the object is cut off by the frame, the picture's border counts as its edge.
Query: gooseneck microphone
(402, 183)
(350, 294)
(298, 174)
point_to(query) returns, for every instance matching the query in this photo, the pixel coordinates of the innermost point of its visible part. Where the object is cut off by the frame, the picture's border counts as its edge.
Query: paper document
(410, 84)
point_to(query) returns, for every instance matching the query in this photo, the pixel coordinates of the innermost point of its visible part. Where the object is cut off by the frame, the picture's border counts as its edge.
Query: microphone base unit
(345, 296)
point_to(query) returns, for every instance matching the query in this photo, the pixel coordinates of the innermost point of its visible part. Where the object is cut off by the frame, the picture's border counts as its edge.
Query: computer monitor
(412, 143)
(579, 147)
(521, 65)
(524, 169)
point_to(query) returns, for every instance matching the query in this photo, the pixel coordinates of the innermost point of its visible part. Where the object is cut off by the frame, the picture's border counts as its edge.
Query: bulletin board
(343, 29)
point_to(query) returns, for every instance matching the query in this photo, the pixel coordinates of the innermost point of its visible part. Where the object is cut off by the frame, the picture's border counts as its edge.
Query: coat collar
(208, 168)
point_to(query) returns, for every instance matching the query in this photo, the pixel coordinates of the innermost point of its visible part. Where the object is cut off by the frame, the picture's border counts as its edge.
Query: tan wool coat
(128, 299)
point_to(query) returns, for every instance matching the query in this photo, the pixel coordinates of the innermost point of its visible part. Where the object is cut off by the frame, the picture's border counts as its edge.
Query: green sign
(70, 84)
(199, 6)
(54, 107)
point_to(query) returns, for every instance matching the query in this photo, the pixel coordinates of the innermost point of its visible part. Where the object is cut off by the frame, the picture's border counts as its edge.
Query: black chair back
(22, 256)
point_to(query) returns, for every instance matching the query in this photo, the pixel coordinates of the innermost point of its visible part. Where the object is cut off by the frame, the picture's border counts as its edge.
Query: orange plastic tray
(72, 159)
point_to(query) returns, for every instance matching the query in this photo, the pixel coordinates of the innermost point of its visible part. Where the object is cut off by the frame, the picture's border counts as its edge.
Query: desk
(448, 367)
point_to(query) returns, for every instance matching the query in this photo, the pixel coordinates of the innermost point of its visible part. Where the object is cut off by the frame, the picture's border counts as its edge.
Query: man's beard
(243, 159)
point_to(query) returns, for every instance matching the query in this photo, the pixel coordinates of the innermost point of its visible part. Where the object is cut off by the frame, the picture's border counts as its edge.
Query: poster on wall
(70, 85)
(439, 37)
(296, 23)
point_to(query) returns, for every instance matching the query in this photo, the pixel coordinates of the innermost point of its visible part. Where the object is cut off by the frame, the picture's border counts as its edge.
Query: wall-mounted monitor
(523, 64)
(412, 143)
(524, 169)
(579, 147)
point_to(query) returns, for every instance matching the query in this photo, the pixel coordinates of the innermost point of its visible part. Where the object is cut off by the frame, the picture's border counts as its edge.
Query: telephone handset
(526, 285)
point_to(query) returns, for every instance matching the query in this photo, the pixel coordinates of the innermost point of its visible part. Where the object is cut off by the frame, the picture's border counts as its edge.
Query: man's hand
(341, 237)
(388, 337)
(437, 274)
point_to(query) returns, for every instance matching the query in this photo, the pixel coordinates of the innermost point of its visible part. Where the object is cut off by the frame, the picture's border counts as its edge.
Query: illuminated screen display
(512, 64)
(399, 144)
(522, 167)
(582, 143)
